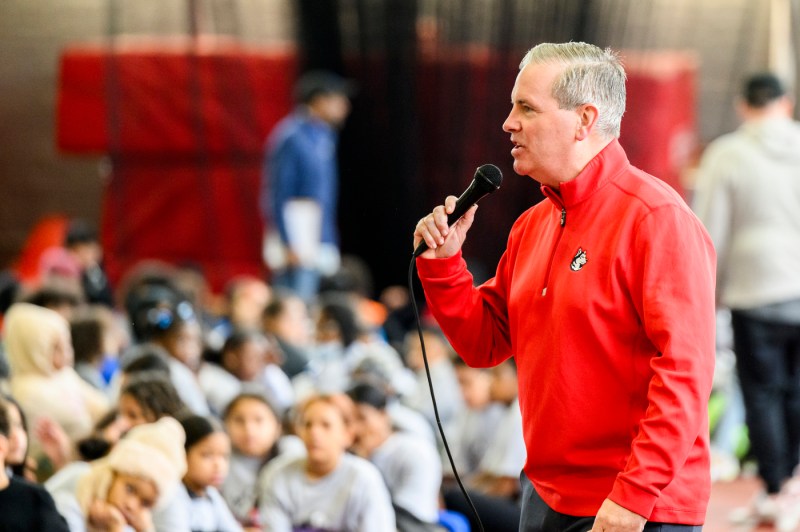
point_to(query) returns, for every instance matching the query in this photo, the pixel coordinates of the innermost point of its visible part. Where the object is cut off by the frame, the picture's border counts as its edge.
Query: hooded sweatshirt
(30, 333)
(748, 197)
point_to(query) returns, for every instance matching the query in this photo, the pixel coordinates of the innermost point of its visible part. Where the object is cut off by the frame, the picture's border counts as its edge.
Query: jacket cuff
(440, 268)
(633, 498)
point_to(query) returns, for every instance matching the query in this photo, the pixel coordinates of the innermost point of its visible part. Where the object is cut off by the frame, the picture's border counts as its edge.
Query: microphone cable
(433, 396)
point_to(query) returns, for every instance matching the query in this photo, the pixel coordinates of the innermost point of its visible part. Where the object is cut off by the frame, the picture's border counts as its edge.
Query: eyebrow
(523, 101)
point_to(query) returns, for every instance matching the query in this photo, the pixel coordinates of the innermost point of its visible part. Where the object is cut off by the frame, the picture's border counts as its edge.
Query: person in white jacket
(748, 196)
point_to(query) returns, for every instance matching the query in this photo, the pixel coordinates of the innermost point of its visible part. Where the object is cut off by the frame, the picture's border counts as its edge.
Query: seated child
(147, 397)
(494, 487)
(328, 489)
(208, 451)
(23, 505)
(253, 358)
(142, 470)
(475, 427)
(443, 376)
(17, 461)
(43, 381)
(409, 464)
(254, 429)
(177, 330)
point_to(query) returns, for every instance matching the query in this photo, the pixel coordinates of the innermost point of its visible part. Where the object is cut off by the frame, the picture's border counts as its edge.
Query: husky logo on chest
(578, 260)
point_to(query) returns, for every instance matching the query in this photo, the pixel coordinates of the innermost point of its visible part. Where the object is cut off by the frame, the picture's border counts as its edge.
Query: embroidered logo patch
(578, 260)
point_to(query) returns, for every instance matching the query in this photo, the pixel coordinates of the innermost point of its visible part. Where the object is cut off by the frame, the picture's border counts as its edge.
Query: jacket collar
(601, 170)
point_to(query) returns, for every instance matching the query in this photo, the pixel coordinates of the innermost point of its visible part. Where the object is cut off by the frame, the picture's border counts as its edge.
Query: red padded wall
(185, 127)
(659, 129)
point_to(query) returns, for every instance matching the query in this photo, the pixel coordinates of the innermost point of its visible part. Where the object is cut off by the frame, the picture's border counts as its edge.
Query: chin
(520, 167)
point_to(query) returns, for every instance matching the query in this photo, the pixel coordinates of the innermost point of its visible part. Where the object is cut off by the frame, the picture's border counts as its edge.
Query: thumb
(465, 222)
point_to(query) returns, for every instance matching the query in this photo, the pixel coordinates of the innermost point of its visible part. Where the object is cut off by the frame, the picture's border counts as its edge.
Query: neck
(194, 487)
(780, 108)
(314, 113)
(317, 470)
(587, 150)
(4, 480)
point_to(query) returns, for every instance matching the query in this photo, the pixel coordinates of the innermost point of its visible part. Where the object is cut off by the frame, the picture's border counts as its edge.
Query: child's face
(327, 330)
(324, 433)
(17, 437)
(475, 386)
(88, 253)
(132, 496)
(504, 384)
(413, 351)
(249, 303)
(293, 324)
(252, 427)
(4, 446)
(248, 361)
(131, 413)
(207, 462)
(186, 344)
(63, 355)
(434, 348)
(372, 427)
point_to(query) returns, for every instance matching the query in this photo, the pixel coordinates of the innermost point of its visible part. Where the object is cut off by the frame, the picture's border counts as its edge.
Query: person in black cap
(300, 184)
(748, 196)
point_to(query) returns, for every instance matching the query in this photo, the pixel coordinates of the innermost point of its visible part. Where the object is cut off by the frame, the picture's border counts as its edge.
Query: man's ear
(587, 115)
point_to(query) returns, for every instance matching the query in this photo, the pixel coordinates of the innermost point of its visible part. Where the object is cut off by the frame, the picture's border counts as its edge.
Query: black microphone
(487, 179)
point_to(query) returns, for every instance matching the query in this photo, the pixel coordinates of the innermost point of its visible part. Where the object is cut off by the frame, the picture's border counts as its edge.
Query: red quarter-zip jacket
(605, 297)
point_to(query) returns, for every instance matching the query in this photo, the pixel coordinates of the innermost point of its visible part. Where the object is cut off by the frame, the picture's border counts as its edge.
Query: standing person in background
(605, 298)
(748, 196)
(300, 185)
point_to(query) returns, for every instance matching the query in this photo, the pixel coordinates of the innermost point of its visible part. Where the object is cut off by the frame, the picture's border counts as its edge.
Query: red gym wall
(184, 127)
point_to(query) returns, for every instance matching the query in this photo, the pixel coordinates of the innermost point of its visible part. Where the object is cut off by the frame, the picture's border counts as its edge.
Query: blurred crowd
(159, 405)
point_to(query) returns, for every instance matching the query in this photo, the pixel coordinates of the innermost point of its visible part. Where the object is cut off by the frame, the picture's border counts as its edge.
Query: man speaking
(604, 296)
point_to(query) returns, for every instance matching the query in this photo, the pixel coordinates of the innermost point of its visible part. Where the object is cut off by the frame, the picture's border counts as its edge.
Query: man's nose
(510, 123)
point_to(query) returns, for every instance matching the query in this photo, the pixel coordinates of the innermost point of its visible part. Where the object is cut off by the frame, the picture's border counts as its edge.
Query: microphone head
(490, 174)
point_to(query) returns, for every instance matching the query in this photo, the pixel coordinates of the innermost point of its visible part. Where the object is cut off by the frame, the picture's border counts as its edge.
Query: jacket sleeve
(475, 320)
(673, 291)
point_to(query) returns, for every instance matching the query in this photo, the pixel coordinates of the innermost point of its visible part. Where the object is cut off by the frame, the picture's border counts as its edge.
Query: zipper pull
(563, 216)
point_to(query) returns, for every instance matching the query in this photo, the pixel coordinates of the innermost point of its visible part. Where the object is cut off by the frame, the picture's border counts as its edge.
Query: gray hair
(591, 75)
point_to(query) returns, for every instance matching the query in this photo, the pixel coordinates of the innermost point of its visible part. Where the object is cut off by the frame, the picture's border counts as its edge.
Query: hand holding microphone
(443, 231)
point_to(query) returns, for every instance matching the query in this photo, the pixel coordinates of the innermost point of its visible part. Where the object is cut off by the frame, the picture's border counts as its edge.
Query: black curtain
(435, 78)
(434, 82)
(380, 196)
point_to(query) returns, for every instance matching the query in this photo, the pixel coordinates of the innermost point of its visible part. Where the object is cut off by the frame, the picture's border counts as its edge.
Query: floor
(725, 496)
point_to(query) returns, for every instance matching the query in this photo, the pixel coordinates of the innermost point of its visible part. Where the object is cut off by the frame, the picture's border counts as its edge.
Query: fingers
(433, 228)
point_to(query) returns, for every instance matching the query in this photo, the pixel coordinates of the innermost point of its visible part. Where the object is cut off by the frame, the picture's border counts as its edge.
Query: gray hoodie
(748, 197)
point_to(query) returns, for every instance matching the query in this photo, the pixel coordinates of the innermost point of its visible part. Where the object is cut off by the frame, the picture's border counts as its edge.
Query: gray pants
(538, 517)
